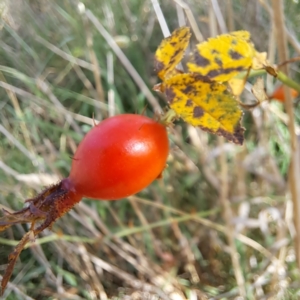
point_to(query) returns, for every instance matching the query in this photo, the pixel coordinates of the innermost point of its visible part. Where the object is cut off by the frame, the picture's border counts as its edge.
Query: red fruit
(119, 157)
(278, 94)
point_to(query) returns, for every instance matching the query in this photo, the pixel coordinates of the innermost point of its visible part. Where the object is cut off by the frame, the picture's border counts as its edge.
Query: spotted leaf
(170, 52)
(223, 57)
(204, 103)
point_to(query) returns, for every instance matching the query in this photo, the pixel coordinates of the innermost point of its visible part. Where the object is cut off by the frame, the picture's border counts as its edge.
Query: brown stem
(49, 205)
(294, 174)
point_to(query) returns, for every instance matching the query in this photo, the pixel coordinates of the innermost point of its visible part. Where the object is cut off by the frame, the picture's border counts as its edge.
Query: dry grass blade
(45, 88)
(20, 114)
(65, 55)
(16, 289)
(35, 160)
(219, 16)
(96, 68)
(161, 19)
(136, 77)
(191, 18)
(131, 280)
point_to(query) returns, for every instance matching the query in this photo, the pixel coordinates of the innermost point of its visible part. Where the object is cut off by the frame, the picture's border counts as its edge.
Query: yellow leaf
(259, 90)
(204, 103)
(237, 86)
(259, 61)
(223, 57)
(170, 52)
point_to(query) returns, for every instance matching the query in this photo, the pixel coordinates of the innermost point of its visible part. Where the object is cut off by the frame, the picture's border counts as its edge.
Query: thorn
(73, 158)
(144, 110)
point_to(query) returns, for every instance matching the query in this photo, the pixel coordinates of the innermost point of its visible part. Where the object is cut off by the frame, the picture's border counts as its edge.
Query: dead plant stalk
(227, 215)
(294, 174)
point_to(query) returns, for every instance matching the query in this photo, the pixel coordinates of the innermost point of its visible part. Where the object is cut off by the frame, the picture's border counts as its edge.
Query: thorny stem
(47, 207)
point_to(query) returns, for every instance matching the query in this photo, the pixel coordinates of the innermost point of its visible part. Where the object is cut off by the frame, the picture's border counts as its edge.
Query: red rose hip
(119, 157)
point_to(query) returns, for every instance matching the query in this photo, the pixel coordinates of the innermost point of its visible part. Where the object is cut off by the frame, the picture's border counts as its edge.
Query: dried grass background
(219, 225)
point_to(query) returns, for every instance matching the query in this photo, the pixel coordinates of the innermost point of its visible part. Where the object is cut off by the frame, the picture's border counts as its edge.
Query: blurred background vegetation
(63, 62)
